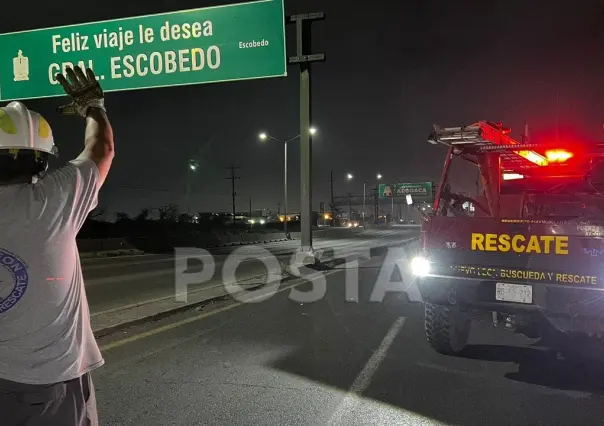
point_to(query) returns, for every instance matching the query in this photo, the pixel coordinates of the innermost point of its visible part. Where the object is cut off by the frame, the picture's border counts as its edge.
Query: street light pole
(377, 200)
(364, 185)
(264, 136)
(349, 176)
(376, 205)
(285, 190)
(332, 206)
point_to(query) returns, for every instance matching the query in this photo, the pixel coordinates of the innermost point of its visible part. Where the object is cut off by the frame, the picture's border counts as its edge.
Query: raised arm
(88, 101)
(98, 143)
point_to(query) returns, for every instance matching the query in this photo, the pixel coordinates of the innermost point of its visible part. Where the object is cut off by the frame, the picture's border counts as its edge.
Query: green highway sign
(419, 189)
(208, 45)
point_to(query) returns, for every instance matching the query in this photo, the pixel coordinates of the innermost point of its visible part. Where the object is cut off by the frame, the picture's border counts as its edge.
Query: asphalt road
(335, 361)
(121, 281)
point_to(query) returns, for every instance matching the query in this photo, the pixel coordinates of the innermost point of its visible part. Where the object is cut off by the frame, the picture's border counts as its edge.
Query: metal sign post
(303, 60)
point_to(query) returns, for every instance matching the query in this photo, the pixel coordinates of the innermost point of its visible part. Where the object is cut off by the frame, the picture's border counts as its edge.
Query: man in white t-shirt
(47, 348)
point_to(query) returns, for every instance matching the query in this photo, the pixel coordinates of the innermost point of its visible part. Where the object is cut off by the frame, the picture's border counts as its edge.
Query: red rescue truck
(529, 255)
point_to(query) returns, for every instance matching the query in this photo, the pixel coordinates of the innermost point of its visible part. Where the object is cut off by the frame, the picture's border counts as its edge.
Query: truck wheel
(447, 328)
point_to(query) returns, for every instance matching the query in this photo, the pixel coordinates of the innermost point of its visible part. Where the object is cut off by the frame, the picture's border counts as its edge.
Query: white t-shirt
(45, 331)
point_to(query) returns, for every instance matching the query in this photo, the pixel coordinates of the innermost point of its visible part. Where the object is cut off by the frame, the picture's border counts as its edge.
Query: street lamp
(376, 210)
(193, 165)
(349, 177)
(263, 136)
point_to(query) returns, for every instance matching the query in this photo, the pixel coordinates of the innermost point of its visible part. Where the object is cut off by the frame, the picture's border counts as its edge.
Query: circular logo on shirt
(13, 280)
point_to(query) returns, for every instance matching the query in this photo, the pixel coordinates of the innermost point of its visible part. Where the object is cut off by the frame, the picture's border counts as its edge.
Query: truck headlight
(420, 266)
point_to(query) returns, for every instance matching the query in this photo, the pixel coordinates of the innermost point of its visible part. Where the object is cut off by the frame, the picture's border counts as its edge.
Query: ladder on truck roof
(486, 137)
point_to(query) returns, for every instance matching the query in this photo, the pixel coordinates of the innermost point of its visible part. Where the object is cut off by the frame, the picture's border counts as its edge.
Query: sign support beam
(304, 61)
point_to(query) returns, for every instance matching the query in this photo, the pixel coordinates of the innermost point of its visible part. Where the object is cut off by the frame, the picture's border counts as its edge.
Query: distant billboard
(417, 189)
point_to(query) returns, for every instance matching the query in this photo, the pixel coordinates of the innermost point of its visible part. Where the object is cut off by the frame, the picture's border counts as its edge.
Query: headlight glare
(420, 266)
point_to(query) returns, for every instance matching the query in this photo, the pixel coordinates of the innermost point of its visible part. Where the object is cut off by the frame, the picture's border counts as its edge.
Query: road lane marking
(363, 380)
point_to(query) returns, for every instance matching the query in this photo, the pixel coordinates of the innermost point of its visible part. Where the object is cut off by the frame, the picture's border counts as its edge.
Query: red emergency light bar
(558, 155)
(487, 136)
(499, 136)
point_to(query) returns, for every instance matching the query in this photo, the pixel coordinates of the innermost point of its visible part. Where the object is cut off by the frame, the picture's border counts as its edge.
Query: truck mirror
(409, 199)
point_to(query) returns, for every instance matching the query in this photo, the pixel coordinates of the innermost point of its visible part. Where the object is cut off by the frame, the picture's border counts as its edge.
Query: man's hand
(84, 90)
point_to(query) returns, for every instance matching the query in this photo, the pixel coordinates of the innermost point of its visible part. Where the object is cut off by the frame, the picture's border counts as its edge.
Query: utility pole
(278, 209)
(303, 60)
(331, 207)
(349, 206)
(376, 205)
(364, 190)
(250, 208)
(232, 178)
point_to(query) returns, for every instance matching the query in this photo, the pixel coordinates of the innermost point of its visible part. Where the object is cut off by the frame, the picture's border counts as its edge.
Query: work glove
(84, 90)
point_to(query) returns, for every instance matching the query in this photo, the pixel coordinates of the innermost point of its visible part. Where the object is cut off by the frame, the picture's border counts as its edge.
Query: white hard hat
(21, 128)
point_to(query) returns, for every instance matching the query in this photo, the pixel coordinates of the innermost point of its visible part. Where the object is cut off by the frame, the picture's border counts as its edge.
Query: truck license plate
(514, 293)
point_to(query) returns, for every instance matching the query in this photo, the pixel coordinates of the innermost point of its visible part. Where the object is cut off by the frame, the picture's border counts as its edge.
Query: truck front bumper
(552, 300)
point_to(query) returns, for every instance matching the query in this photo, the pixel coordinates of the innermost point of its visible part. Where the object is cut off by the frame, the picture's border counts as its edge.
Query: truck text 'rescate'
(538, 244)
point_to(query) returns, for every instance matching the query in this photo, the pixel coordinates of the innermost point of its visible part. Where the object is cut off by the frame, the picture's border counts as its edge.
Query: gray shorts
(70, 403)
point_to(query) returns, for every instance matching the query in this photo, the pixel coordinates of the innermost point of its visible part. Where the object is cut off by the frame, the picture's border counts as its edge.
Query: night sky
(393, 69)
